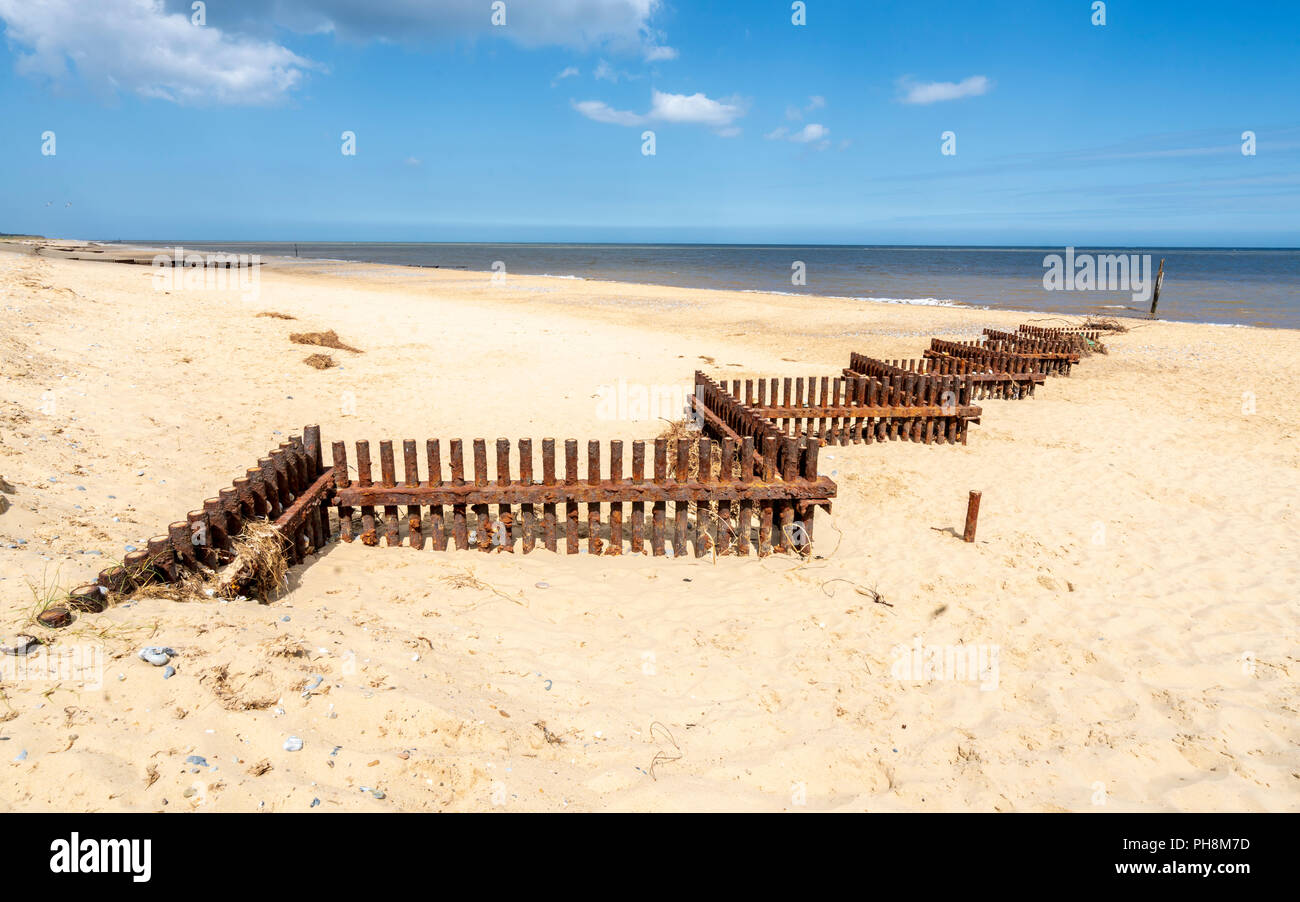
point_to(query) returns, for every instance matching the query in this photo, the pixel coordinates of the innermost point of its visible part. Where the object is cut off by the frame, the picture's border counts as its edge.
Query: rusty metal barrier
(1017, 380)
(1077, 338)
(288, 488)
(1058, 331)
(840, 410)
(780, 485)
(999, 355)
(1052, 351)
(716, 497)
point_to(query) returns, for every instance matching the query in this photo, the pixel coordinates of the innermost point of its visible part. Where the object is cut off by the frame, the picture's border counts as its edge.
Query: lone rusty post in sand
(1160, 281)
(972, 514)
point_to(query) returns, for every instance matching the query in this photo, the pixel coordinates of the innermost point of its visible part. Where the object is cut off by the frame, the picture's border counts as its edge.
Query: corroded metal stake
(972, 515)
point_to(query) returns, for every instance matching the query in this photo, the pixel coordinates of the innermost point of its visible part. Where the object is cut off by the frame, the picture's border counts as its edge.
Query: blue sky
(765, 131)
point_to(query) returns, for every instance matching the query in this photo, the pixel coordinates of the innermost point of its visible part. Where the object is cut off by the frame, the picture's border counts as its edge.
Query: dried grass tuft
(724, 526)
(257, 570)
(679, 429)
(1105, 324)
(191, 588)
(274, 315)
(465, 579)
(1085, 347)
(328, 339)
(259, 567)
(241, 692)
(320, 361)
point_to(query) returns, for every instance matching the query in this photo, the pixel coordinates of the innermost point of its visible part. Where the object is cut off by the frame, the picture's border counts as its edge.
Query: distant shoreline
(1005, 280)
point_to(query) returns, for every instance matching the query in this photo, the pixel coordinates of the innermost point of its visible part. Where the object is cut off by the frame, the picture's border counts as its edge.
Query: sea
(1236, 286)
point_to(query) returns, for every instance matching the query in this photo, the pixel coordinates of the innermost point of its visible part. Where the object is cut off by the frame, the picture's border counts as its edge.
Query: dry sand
(1136, 565)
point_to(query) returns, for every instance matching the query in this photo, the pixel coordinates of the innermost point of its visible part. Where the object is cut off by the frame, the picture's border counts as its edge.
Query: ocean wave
(918, 302)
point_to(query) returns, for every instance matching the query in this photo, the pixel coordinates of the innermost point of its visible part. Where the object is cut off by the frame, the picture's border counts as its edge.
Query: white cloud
(134, 45)
(813, 131)
(815, 102)
(237, 58)
(923, 92)
(600, 111)
(605, 72)
(566, 72)
(581, 24)
(694, 108)
(690, 109)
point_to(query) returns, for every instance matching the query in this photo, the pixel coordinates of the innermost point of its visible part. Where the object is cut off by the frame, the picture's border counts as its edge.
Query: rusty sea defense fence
(1014, 378)
(288, 489)
(716, 489)
(725, 497)
(1057, 354)
(1080, 338)
(1002, 355)
(841, 410)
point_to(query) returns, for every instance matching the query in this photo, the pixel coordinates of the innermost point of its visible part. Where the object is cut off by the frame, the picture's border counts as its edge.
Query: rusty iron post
(972, 515)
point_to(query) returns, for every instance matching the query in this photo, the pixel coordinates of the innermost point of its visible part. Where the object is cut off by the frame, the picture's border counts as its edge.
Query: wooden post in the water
(972, 515)
(1160, 280)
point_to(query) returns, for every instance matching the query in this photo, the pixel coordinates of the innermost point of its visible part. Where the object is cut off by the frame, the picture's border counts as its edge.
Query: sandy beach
(1135, 567)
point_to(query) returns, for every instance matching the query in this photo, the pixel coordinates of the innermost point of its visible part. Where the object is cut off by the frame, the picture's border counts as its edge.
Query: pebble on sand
(157, 655)
(293, 744)
(20, 645)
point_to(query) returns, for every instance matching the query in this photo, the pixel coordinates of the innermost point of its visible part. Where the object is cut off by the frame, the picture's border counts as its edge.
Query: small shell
(316, 681)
